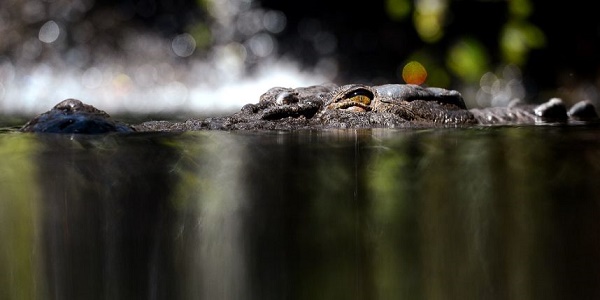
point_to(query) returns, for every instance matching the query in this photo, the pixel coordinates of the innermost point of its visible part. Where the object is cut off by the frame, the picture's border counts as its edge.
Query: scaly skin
(409, 102)
(326, 106)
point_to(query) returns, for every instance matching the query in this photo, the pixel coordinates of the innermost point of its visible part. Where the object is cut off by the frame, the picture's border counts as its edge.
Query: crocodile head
(279, 103)
(406, 101)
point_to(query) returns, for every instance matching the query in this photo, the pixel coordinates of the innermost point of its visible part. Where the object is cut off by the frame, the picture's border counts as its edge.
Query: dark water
(478, 213)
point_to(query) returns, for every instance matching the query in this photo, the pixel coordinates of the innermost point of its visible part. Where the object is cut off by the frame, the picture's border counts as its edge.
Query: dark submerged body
(322, 107)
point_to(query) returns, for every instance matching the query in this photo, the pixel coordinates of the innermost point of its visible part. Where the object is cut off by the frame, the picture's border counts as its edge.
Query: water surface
(471, 213)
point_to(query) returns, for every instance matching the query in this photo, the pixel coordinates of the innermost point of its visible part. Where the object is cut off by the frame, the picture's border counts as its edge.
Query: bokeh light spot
(183, 45)
(414, 73)
(261, 45)
(517, 39)
(429, 18)
(468, 59)
(49, 32)
(274, 21)
(397, 9)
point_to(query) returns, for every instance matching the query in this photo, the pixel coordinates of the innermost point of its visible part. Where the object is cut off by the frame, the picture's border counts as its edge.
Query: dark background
(370, 44)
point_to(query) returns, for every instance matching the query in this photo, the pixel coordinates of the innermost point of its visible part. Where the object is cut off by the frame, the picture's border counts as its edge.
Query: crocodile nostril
(250, 109)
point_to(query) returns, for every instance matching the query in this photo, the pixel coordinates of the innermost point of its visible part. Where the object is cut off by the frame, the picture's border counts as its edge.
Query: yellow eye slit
(356, 100)
(361, 99)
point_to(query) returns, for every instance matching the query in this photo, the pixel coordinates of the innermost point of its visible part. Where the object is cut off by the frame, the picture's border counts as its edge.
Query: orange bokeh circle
(414, 73)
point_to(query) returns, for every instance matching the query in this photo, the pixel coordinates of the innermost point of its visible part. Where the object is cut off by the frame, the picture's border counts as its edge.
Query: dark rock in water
(322, 107)
(73, 116)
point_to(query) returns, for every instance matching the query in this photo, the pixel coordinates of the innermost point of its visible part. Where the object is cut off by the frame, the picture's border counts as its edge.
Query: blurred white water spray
(154, 74)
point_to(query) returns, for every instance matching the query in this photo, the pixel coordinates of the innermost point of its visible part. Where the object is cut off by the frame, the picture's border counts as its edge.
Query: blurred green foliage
(518, 39)
(398, 10)
(467, 57)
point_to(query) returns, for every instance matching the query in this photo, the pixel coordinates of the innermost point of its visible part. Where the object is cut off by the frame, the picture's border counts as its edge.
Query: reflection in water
(480, 213)
(106, 224)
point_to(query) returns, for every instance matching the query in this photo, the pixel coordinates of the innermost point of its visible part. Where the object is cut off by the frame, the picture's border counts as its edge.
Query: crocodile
(327, 106)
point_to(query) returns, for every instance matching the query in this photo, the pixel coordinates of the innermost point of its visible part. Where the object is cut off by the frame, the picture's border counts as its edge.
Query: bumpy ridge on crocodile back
(326, 106)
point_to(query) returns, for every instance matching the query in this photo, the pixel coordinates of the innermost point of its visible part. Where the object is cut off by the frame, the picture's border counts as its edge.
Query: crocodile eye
(360, 95)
